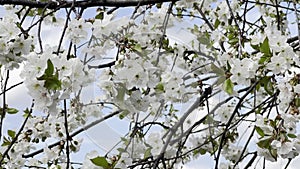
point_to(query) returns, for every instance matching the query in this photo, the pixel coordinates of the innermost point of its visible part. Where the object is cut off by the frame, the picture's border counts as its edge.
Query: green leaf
(217, 23)
(50, 68)
(256, 47)
(217, 70)
(266, 143)
(54, 19)
(228, 87)
(158, 5)
(6, 142)
(203, 40)
(290, 135)
(202, 151)
(273, 123)
(265, 48)
(220, 80)
(297, 102)
(124, 114)
(11, 133)
(26, 113)
(137, 47)
(12, 110)
(273, 153)
(267, 84)
(263, 59)
(165, 43)
(121, 150)
(101, 162)
(100, 15)
(52, 83)
(121, 90)
(40, 11)
(159, 88)
(147, 153)
(259, 131)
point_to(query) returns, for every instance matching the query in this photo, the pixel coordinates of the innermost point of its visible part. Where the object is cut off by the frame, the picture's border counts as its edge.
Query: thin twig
(277, 15)
(4, 106)
(11, 87)
(297, 19)
(80, 130)
(173, 130)
(240, 48)
(164, 29)
(64, 31)
(251, 160)
(17, 135)
(288, 163)
(67, 134)
(230, 120)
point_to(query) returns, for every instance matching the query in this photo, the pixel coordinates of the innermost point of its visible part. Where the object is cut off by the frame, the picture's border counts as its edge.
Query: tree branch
(17, 135)
(84, 4)
(173, 130)
(84, 128)
(229, 122)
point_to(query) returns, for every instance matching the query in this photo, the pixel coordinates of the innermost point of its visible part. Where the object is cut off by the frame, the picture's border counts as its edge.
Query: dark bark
(84, 4)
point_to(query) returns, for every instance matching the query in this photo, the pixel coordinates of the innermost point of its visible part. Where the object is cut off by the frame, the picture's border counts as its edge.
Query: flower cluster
(277, 137)
(14, 44)
(51, 79)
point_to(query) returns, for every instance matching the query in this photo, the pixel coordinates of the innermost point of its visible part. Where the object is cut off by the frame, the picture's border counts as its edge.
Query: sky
(113, 128)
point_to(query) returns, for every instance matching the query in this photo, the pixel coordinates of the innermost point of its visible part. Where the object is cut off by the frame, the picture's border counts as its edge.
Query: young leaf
(121, 92)
(124, 114)
(52, 83)
(12, 110)
(6, 142)
(259, 131)
(266, 143)
(50, 68)
(147, 153)
(11, 133)
(121, 150)
(100, 15)
(297, 102)
(101, 162)
(159, 88)
(217, 70)
(265, 47)
(202, 151)
(267, 84)
(228, 86)
(220, 80)
(203, 40)
(217, 23)
(290, 135)
(137, 47)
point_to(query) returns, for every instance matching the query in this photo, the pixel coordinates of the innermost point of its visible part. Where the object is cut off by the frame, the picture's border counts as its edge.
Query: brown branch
(84, 4)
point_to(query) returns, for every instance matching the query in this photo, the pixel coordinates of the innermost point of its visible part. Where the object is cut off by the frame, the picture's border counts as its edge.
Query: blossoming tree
(235, 68)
